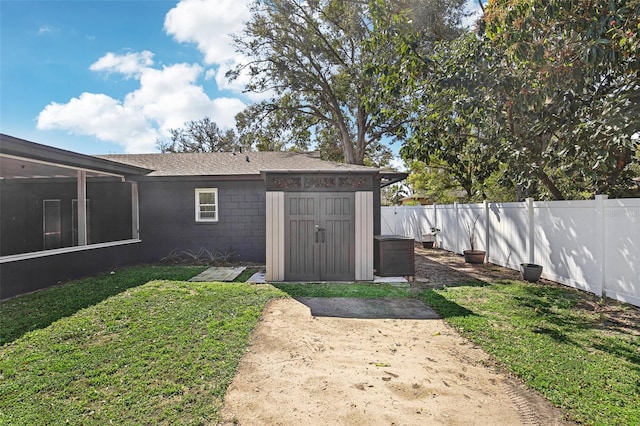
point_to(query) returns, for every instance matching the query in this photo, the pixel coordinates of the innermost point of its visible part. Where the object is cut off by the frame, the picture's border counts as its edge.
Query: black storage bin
(393, 256)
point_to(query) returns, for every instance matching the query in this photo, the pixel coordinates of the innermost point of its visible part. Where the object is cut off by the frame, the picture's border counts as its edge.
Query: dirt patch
(302, 369)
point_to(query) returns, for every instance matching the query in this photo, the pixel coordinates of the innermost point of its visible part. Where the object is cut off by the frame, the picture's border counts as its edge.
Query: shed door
(319, 236)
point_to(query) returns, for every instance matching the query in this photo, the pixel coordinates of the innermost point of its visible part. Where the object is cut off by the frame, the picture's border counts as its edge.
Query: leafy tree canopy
(200, 136)
(547, 92)
(312, 57)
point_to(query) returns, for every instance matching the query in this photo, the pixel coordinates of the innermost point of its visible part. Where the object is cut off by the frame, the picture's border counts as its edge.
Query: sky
(109, 77)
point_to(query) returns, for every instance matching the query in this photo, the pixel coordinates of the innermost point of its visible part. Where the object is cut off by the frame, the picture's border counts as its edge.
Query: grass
(162, 352)
(40, 309)
(356, 290)
(580, 360)
(114, 349)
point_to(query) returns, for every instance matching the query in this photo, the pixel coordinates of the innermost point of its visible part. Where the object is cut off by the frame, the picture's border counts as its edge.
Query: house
(65, 215)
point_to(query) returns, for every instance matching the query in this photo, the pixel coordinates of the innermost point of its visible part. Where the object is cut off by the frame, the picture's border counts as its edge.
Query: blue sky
(112, 76)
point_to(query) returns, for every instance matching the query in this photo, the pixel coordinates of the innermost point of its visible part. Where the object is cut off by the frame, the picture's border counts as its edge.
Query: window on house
(206, 204)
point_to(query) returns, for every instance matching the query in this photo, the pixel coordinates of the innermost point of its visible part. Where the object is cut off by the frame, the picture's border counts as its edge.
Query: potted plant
(531, 272)
(429, 239)
(473, 255)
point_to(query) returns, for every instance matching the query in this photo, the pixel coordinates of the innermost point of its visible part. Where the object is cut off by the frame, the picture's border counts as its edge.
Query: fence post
(457, 243)
(435, 222)
(600, 238)
(531, 247)
(487, 233)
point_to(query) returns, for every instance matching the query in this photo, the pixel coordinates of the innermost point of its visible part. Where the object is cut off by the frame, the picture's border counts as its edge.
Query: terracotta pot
(474, 256)
(531, 272)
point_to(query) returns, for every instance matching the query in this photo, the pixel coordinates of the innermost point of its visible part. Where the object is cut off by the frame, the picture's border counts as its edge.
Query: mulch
(437, 268)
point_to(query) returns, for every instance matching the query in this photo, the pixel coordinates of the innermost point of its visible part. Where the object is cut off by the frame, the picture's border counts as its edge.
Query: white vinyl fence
(590, 245)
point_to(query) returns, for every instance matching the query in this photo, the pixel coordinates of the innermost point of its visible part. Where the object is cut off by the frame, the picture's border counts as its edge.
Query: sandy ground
(306, 370)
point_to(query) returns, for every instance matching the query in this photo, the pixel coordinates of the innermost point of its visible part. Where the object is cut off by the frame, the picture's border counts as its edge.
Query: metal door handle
(323, 233)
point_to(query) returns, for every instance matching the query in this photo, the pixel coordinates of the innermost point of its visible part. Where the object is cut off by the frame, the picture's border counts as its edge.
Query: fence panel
(449, 227)
(508, 224)
(591, 245)
(622, 250)
(565, 245)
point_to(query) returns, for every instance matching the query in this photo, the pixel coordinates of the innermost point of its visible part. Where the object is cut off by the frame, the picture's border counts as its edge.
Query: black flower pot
(531, 272)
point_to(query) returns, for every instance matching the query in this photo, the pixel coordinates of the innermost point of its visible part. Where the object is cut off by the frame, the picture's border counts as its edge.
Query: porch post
(82, 207)
(135, 215)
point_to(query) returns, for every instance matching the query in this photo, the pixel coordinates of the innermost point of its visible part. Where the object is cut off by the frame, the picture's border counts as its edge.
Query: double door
(319, 236)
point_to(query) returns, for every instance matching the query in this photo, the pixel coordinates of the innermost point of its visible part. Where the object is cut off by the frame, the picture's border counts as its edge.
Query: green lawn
(162, 352)
(119, 349)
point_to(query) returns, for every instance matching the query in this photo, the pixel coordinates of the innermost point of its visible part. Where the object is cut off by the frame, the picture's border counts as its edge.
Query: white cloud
(209, 24)
(171, 97)
(46, 29)
(103, 117)
(397, 163)
(130, 64)
(166, 99)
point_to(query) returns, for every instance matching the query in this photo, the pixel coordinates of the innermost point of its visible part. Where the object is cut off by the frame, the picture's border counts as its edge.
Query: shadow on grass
(444, 307)
(38, 310)
(562, 314)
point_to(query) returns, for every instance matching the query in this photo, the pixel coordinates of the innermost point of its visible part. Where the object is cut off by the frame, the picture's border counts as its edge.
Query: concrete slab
(219, 273)
(387, 308)
(260, 277)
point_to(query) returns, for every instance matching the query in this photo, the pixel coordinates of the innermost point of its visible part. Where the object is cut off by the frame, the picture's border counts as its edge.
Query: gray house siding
(167, 218)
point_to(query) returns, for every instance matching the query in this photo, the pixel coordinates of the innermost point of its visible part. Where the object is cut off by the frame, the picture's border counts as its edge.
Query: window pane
(208, 215)
(207, 198)
(207, 209)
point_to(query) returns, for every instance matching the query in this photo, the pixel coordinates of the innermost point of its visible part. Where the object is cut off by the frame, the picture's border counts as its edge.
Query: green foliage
(571, 96)
(201, 136)
(316, 58)
(310, 56)
(360, 290)
(161, 353)
(546, 93)
(393, 195)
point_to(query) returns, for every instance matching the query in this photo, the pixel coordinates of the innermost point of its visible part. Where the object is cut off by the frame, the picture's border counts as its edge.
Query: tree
(393, 195)
(572, 95)
(547, 92)
(312, 56)
(201, 136)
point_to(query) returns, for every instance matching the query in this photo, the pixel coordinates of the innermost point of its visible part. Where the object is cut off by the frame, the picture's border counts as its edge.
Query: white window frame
(199, 191)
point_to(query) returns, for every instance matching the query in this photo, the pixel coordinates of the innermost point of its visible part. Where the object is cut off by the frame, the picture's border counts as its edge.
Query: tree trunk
(546, 180)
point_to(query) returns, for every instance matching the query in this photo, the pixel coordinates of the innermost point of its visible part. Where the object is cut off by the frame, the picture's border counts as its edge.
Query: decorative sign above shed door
(319, 236)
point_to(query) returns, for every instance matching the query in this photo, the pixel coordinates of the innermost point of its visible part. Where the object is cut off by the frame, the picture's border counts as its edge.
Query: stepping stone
(219, 273)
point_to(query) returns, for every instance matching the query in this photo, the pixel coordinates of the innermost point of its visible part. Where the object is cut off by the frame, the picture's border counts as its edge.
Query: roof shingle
(230, 164)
